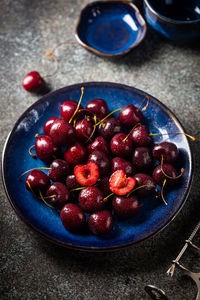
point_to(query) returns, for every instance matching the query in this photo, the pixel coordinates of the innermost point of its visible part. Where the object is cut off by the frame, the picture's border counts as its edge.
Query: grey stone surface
(32, 268)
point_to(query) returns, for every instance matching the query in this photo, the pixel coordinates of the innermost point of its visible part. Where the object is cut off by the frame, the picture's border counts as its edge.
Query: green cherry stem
(78, 105)
(39, 168)
(112, 112)
(41, 196)
(139, 187)
(190, 136)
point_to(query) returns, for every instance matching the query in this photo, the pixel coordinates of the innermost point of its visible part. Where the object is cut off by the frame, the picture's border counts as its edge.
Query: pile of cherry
(99, 166)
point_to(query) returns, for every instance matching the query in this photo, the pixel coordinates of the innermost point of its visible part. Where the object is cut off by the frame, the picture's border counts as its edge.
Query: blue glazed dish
(153, 215)
(110, 28)
(175, 19)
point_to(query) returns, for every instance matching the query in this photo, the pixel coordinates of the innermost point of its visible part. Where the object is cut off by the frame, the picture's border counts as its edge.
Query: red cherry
(75, 154)
(100, 222)
(125, 207)
(48, 124)
(88, 174)
(72, 217)
(33, 82)
(120, 184)
(45, 148)
(58, 194)
(37, 181)
(91, 199)
(62, 133)
(68, 108)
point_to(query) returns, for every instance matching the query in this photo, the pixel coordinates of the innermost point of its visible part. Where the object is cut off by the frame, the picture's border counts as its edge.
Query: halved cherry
(120, 184)
(87, 175)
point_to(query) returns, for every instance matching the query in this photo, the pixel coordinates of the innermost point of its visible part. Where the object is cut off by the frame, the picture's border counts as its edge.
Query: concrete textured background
(32, 268)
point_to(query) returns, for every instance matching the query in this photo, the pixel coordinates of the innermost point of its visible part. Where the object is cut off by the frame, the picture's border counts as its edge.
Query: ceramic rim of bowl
(172, 21)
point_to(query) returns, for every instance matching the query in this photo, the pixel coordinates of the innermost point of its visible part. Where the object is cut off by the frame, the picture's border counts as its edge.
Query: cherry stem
(78, 105)
(108, 116)
(170, 177)
(30, 153)
(105, 199)
(191, 137)
(52, 56)
(161, 193)
(139, 187)
(64, 43)
(40, 168)
(93, 131)
(77, 189)
(44, 200)
(144, 108)
(29, 185)
(38, 134)
(138, 124)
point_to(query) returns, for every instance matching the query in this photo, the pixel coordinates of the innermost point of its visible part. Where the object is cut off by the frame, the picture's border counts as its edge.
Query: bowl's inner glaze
(110, 27)
(180, 10)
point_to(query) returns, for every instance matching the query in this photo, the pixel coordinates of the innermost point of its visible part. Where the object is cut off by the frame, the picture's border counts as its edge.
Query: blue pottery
(110, 28)
(175, 19)
(153, 215)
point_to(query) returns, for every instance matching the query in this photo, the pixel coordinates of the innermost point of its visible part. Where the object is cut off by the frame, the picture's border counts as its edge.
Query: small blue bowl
(110, 28)
(175, 19)
(153, 215)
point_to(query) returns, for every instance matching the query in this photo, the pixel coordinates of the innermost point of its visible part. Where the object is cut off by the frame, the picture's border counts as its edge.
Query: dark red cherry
(48, 124)
(59, 170)
(103, 185)
(102, 161)
(141, 158)
(130, 115)
(119, 163)
(37, 181)
(91, 199)
(159, 176)
(33, 82)
(71, 182)
(72, 217)
(168, 150)
(125, 207)
(120, 145)
(62, 133)
(109, 127)
(99, 144)
(83, 130)
(45, 148)
(98, 107)
(101, 222)
(148, 181)
(75, 154)
(68, 108)
(58, 195)
(140, 136)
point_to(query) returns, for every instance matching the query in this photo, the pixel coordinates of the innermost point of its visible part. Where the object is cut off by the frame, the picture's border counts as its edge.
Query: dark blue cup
(175, 19)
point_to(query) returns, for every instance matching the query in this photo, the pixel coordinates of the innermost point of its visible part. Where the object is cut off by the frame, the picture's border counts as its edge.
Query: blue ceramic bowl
(110, 28)
(153, 216)
(175, 19)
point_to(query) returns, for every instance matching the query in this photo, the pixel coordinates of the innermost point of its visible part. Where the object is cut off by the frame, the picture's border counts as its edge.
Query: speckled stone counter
(33, 268)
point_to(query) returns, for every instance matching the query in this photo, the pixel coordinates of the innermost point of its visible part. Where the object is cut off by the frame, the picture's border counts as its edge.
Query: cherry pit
(99, 167)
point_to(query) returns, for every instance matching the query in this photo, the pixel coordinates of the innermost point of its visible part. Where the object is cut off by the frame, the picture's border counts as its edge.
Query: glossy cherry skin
(101, 222)
(59, 170)
(148, 181)
(141, 158)
(159, 176)
(33, 82)
(102, 161)
(75, 154)
(60, 193)
(98, 107)
(109, 127)
(130, 115)
(48, 124)
(83, 130)
(120, 145)
(72, 217)
(45, 148)
(168, 150)
(140, 136)
(119, 163)
(71, 182)
(91, 199)
(62, 133)
(68, 108)
(99, 144)
(125, 207)
(37, 181)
